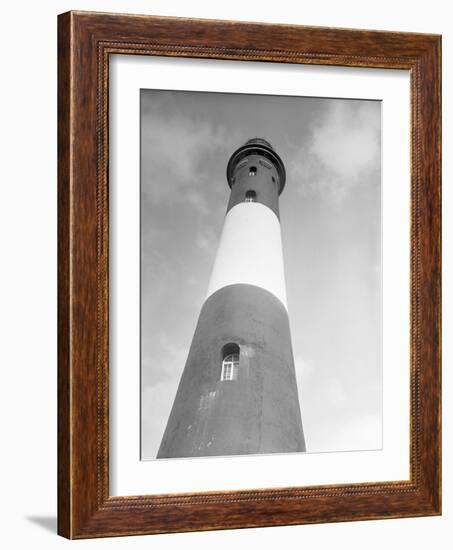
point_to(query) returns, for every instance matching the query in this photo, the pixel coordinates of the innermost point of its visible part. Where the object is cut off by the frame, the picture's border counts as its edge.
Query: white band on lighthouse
(250, 251)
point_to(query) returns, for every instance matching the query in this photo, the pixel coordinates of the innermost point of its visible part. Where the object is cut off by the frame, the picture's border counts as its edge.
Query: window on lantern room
(230, 363)
(250, 196)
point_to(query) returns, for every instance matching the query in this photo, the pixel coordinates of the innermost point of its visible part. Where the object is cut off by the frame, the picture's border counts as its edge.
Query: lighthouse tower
(238, 392)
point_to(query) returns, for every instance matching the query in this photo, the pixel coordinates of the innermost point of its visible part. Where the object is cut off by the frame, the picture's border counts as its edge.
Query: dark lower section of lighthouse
(238, 392)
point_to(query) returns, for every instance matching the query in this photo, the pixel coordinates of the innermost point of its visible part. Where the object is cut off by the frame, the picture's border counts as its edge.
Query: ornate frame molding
(85, 41)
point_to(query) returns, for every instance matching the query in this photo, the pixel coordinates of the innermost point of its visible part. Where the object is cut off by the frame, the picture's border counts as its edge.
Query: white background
(28, 275)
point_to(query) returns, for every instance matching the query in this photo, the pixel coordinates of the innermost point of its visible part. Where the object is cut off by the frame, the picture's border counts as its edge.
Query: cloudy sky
(330, 216)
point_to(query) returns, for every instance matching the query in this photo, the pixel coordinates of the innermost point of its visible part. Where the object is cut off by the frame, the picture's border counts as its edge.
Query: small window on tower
(250, 196)
(252, 171)
(230, 363)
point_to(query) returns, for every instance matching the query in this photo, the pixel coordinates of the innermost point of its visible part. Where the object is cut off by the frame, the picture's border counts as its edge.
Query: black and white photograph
(260, 274)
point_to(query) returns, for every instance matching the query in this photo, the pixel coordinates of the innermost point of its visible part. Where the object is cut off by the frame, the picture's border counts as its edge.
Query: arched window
(230, 362)
(252, 171)
(250, 196)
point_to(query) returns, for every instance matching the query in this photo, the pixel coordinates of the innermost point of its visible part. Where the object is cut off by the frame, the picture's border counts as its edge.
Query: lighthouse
(238, 391)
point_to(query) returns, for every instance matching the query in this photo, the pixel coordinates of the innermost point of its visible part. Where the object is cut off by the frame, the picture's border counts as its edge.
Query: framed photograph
(249, 275)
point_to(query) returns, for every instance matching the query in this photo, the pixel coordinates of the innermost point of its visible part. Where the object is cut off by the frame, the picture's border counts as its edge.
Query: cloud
(164, 360)
(305, 369)
(156, 406)
(348, 140)
(181, 158)
(358, 433)
(177, 143)
(343, 151)
(203, 242)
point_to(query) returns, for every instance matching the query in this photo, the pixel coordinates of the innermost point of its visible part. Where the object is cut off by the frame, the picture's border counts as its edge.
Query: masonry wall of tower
(259, 411)
(255, 175)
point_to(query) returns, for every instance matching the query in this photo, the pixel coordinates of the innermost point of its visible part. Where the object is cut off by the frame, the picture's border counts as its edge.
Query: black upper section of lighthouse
(256, 173)
(257, 146)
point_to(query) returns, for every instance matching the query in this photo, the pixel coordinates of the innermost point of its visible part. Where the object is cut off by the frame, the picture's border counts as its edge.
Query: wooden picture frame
(85, 42)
